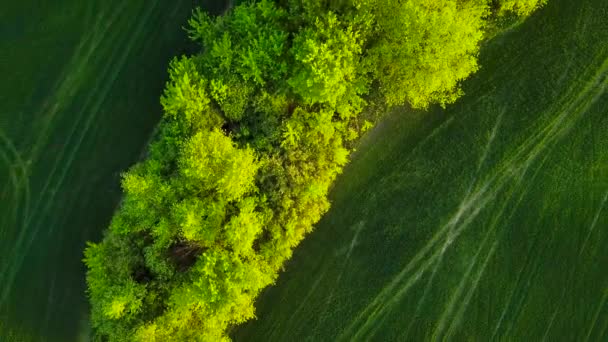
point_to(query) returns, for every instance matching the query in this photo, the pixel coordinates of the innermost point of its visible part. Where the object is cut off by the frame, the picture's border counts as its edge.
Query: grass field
(78, 101)
(484, 221)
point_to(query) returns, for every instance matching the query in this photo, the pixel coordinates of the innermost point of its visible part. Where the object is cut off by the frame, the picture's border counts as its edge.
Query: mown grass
(486, 220)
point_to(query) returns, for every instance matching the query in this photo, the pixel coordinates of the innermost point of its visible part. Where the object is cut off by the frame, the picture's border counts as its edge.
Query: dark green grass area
(78, 100)
(487, 220)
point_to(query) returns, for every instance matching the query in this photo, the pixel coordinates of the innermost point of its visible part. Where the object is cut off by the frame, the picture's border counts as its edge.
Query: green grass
(78, 101)
(486, 220)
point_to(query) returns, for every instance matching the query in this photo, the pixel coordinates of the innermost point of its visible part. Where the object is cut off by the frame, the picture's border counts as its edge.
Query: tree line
(256, 127)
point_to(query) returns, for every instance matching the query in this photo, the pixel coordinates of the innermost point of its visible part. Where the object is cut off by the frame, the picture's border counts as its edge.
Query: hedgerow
(256, 128)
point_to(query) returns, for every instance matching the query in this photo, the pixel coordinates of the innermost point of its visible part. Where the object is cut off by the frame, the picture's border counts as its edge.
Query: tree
(423, 49)
(519, 7)
(327, 63)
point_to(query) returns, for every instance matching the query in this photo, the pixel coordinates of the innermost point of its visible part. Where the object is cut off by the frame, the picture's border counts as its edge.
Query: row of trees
(256, 128)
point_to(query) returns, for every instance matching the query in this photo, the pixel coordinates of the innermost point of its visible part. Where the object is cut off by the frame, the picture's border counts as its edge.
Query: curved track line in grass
(551, 321)
(431, 136)
(491, 138)
(50, 299)
(600, 307)
(605, 327)
(520, 276)
(78, 67)
(19, 178)
(523, 293)
(557, 310)
(358, 228)
(300, 307)
(15, 164)
(594, 222)
(473, 288)
(531, 255)
(68, 81)
(115, 68)
(96, 99)
(458, 293)
(423, 297)
(11, 183)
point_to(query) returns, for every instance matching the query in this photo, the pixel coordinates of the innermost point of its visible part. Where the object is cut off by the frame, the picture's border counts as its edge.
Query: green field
(484, 221)
(78, 101)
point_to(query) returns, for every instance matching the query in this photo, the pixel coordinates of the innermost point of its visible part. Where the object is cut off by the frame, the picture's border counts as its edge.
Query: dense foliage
(255, 129)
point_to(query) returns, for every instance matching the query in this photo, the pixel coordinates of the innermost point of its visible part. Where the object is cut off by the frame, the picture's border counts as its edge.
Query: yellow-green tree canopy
(424, 48)
(256, 128)
(519, 7)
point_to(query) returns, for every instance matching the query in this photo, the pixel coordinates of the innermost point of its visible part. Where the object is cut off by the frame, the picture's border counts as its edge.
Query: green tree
(327, 62)
(519, 7)
(423, 49)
